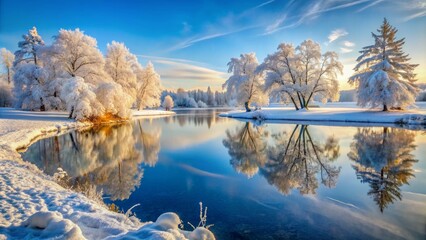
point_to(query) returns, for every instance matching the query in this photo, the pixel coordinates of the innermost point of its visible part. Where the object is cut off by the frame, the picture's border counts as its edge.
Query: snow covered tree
(383, 75)
(118, 64)
(29, 86)
(80, 99)
(246, 81)
(6, 59)
(77, 55)
(29, 78)
(29, 47)
(5, 94)
(114, 99)
(300, 74)
(210, 97)
(168, 103)
(148, 87)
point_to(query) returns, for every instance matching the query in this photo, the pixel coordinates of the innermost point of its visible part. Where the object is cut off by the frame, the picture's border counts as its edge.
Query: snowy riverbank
(34, 206)
(336, 114)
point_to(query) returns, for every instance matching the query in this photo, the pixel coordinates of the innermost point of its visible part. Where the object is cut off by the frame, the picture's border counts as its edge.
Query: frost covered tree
(114, 99)
(29, 78)
(210, 97)
(148, 90)
(246, 81)
(168, 103)
(77, 55)
(298, 75)
(118, 65)
(6, 59)
(81, 100)
(384, 76)
(5, 94)
(28, 47)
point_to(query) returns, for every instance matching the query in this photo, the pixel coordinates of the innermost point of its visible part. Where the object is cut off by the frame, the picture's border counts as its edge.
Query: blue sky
(190, 42)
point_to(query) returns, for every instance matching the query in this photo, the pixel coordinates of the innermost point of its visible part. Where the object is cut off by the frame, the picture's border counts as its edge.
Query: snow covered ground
(34, 206)
(335, 113)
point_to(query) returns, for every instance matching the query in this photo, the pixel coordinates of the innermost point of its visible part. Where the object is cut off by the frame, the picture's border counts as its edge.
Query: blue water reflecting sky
(345, 182)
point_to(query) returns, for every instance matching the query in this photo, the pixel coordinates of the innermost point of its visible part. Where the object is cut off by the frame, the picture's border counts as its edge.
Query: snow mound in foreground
(52, 225)
(167, 227)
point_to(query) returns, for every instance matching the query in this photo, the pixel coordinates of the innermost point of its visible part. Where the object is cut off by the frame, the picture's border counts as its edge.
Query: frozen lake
(273, 181)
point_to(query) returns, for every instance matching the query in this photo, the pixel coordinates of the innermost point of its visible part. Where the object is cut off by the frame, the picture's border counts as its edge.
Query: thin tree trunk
(385, 108)
(294, 102)
(72, 111)
(42, 107)
(8, 75)
(247, 106)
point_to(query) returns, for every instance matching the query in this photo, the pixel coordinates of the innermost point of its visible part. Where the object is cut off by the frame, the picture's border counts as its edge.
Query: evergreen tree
(383, 75)
(29, 79)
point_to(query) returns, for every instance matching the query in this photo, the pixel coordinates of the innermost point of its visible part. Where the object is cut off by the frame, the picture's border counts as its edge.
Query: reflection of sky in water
(194, 165)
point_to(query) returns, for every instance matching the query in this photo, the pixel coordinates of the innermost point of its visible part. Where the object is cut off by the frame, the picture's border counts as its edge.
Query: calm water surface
(268, 181)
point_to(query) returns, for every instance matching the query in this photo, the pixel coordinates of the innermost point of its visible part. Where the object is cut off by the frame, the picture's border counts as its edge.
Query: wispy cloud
(226, 26)
(261, 5)
(369, 5)
(185, 73)
(310, 12)
(201, 38)
(336, 34)
(415, 15)
(346, 50)
(348, 44)
(275, 25)
(414, 8)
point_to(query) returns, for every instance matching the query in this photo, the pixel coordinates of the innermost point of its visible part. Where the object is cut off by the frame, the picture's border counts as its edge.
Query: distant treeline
(199, 98)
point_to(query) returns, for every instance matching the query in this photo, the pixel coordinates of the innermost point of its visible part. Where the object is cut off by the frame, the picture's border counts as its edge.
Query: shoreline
(33, 203)
(338, 116)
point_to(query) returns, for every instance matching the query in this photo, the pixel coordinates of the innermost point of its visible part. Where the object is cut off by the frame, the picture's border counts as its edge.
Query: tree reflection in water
(292, 162)
(107, 157)
(383, 159)
(247, 148)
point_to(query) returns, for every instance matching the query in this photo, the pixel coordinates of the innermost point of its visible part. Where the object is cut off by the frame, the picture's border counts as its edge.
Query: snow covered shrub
(168, 103)
(201, 104)
(203, 219)
(80, 99)
(383, 75)
(191, 103)
(114, 99)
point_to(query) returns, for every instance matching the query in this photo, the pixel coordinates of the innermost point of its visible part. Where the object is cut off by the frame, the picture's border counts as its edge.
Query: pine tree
(383, 75)
(30, 77)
